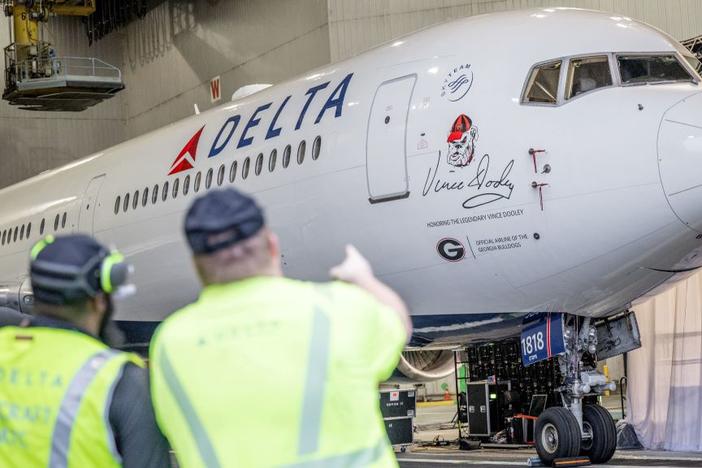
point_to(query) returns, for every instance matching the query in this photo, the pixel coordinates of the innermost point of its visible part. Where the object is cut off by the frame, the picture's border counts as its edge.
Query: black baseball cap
(220, 219)
(66, 269)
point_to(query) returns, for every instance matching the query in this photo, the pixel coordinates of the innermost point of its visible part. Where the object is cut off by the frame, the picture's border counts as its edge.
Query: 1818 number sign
(542, 338)
(533, 342)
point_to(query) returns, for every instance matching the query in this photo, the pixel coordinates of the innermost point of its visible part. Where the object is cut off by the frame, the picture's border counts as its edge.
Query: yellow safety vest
(55, 390)
(276, 372)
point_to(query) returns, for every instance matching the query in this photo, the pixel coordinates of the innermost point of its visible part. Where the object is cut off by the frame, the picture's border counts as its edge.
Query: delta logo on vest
(187, 157)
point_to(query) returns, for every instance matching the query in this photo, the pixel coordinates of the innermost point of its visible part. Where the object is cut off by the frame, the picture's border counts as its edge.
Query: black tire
(601, 448)
(557, 435)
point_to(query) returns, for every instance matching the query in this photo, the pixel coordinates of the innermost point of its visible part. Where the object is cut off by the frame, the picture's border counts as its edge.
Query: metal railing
(44, 67)
(63, 67)
(695, 45)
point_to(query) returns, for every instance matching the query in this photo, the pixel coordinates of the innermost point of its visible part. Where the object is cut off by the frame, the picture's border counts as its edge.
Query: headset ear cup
(118, 276)
(113, 272)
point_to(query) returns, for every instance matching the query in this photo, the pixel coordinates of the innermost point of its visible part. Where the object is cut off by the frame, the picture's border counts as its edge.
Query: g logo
(451, 250)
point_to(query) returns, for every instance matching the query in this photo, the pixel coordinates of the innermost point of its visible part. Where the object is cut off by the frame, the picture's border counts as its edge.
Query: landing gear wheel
(603, 442)
(557, 435)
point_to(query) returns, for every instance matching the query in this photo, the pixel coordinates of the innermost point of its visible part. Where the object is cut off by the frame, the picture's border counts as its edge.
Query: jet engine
(424, 365)
(17, 297)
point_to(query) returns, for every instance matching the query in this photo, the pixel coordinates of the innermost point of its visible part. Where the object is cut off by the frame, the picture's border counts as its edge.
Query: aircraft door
(386, 159)
(90, 201)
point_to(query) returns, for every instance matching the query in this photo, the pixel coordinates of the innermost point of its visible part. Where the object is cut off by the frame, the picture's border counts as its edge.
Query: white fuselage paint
(607, 219)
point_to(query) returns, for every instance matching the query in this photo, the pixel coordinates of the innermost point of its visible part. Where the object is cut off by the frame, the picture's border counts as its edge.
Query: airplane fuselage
(418, 152)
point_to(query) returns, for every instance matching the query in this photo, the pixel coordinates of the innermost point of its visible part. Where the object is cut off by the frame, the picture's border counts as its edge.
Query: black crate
(400, 430)
(398, 403)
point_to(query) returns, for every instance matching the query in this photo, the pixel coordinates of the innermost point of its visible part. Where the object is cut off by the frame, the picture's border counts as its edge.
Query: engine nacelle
(18, 298)
(424, 366)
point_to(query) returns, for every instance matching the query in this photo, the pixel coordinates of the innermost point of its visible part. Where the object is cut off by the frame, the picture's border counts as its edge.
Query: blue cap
(66, 269)
(220, 219)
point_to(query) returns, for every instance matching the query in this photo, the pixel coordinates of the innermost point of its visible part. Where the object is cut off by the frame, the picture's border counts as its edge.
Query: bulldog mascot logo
(461, 141)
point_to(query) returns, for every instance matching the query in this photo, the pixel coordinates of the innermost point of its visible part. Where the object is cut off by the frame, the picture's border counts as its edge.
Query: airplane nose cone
(680, 159)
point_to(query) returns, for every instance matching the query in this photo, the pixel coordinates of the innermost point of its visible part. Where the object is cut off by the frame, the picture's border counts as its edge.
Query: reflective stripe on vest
(66, 418)
(202, 440)
(318, 361)
(359, 458)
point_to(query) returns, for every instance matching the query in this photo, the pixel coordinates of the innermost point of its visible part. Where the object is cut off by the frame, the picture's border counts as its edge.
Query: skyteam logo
(239, 131)
(457, 83)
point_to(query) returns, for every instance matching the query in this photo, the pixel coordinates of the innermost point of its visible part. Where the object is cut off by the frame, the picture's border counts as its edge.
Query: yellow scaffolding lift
(36, 78)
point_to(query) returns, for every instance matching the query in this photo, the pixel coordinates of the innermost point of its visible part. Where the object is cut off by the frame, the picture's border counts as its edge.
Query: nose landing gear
(576, 429)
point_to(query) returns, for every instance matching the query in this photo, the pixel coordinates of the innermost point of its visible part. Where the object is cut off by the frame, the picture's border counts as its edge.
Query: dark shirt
(131, 416)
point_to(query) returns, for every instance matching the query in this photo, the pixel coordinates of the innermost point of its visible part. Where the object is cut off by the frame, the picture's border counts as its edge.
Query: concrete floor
(434, 423)
(492, 458)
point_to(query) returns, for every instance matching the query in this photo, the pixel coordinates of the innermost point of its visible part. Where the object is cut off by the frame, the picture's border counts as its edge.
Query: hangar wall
(355, 26)
(36, 141)
(167, 59)
(171, 55)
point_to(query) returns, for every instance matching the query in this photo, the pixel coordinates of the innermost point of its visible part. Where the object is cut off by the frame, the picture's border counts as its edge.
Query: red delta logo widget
(187, 156)
(266, 115)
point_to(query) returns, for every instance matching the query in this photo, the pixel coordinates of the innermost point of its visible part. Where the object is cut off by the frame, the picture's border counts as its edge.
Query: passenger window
(63, 221)
(22, 232)
(29, 230)
(135, 200)
(232, 172)
(245, 168)
(14, 238)
(56, 219)
(302, 147)
(164, 192)
(220, 175)
(543, 83)
(316, 148)
(651, 69)
(117, 205)
(145, 197)
(42, 226)
(259, 164)
(271, 160)
(154, 195)
(4, 235)
(176, 186)
(196, 183)
(588, 74)
(208, 179)
(286, 156)
(186, 185)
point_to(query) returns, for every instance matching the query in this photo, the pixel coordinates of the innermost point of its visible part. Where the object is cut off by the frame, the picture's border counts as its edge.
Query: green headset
(60, 283)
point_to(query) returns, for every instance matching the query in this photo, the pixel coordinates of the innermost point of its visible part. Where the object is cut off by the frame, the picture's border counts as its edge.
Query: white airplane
(543, 160)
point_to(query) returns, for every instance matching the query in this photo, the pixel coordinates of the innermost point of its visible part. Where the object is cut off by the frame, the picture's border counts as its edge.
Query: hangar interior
(179, 57)
(169, 56)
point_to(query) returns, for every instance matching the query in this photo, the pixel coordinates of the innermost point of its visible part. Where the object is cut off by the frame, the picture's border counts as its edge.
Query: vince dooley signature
(490, 189)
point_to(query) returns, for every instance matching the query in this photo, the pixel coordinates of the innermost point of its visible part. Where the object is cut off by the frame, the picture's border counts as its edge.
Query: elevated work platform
(42, 82)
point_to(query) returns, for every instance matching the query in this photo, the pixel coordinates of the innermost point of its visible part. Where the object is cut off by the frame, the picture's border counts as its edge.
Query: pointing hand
(354, 269)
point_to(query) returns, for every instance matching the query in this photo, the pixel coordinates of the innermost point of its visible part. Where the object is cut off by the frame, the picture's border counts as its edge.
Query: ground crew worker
(268, 371)
(66, 399)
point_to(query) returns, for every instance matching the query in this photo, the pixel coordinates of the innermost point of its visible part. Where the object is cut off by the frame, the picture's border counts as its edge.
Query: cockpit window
(588, 74)
(543, 83)
(694, 63)
(651, 69)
